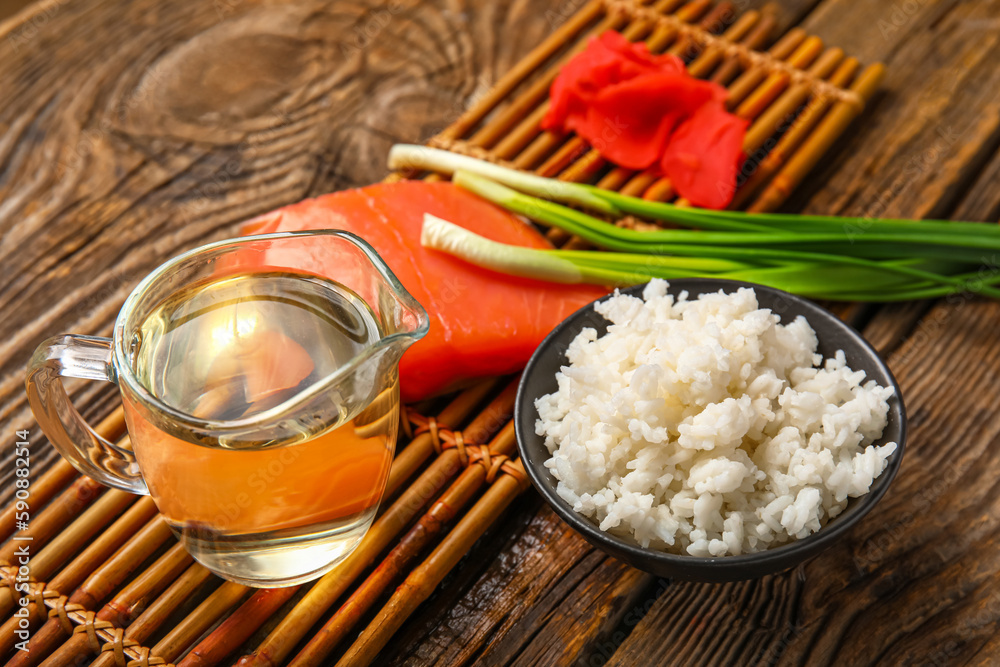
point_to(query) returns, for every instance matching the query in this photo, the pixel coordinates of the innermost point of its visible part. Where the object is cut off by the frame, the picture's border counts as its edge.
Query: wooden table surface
(132, 130)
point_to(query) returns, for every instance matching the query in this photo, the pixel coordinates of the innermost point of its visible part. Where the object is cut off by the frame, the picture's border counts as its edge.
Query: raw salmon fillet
(482, 323)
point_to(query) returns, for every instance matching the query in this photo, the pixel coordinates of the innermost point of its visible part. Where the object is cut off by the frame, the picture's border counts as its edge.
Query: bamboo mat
(108, 582)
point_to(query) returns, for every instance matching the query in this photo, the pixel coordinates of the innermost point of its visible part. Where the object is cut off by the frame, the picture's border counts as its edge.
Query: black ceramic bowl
(539, 379)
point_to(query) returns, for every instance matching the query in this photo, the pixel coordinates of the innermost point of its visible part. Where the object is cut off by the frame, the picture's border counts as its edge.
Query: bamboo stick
(451, 503)
(224, 598)
(71, 539)
(179, 591)
(753, 77)
(796, 134)
(7, 637)
(96, 588)
(760, 36)
(50, 520)
(776, 82)
(280, 642)
(521, 71)
(420, 448)
(137, 516)
(71, 576)
(55, 478)
(424, 579)
(494, 416)
(773, 117)
(124, 608)
(543, 143)
(819, 141)
(59, 475)
(236, 629)
(110, 575)
(150, 620)
(502, 126)
(714, 22)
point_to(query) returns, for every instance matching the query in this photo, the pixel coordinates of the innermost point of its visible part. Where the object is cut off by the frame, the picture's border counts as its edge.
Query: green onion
(852, 228)
(561, 266)
(820, 256)
(680, 242)
(410, 156)
(560, 215)
(450, 238)
(821, 281)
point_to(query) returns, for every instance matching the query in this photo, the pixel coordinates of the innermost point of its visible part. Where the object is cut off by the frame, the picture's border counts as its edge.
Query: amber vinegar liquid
(242, 348)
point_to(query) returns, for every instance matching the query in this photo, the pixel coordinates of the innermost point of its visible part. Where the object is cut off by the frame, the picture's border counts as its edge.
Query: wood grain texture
(181, 121)
(538, 595)
(132, 130)
(9, 8)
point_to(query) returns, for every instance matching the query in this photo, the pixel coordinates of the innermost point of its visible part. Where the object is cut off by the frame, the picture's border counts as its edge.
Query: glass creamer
(262, 401)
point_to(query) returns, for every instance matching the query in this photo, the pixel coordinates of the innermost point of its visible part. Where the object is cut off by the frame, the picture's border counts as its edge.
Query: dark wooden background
(132, 130)
(11, 7)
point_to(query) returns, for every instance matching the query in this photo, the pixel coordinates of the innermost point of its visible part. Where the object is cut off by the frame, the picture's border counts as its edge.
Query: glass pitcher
(261, 397)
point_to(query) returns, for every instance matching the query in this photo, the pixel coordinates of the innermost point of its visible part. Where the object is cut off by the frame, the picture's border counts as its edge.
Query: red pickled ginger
(645, 111)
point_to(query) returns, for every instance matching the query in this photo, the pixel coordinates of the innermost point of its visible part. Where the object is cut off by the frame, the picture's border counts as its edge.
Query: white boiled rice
(707, 428)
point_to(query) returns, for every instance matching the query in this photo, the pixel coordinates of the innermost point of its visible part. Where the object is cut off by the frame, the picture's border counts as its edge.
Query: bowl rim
(773, 557)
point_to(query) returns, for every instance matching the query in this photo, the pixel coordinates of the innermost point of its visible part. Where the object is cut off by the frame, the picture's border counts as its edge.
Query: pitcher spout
(303, 344)
(402, 319)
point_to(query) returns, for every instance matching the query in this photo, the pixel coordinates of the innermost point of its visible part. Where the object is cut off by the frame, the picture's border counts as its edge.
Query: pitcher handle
(89, 358)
